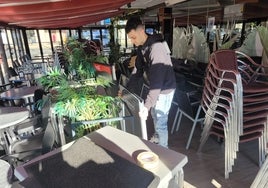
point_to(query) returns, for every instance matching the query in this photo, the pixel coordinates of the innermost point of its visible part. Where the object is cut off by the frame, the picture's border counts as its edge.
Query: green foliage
(115, 54)
(82, 129)
(53, 78)
(101, 59)
(90, 107)
(75, 96)
(79, 60)
(83, 104)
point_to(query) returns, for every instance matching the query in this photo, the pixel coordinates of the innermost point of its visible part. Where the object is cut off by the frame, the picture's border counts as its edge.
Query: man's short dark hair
(133, 23)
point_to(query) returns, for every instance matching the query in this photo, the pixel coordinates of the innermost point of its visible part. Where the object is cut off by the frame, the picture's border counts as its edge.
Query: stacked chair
(260, 180)
(234, 103)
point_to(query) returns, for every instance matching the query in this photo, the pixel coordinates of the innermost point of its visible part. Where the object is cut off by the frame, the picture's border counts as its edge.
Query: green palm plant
(79, 60)
(54, 77)
(77, 99)
(83, 104)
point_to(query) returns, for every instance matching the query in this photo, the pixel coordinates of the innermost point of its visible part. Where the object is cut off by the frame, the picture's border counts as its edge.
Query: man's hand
(143, 113)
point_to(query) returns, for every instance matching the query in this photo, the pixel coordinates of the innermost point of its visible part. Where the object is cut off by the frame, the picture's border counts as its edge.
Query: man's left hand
(143, 113)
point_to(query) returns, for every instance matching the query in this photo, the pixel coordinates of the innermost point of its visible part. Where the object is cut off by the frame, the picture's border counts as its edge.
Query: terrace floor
(206, 168)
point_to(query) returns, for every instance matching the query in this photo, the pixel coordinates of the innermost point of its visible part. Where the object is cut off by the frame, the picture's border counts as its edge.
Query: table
(122, 144)
(26, 93)
(19, 93)
(10, 116)
(5, 174)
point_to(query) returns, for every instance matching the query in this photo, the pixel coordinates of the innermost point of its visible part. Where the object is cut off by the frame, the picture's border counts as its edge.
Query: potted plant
(84, 104)
(81, 59)
(76, 95)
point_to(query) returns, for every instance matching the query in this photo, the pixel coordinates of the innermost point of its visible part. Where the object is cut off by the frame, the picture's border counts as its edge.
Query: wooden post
(165, 19)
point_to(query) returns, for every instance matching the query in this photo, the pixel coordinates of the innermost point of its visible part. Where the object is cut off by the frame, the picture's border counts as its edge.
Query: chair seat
(255, 107)
(255, 88)
(253, 98)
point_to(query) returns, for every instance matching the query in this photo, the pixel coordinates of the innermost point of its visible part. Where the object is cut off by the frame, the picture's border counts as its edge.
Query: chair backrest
(38, 97)
(225, 59)
(249, 69)
(16, 64)
(49, 138)
(44, 140)
(123, 80)
(12, 72)
(224, 64)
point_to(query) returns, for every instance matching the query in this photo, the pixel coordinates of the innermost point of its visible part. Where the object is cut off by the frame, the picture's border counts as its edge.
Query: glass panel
(96, 34)
(105, 37)
(19, 48)
(85, 34)
(150, 31)
(122, 39)
(74, 34)
(15, 42)
(22, 42)
(55, 37)
(4, 36)
(45, 42)
(33, 42)
(65, 35)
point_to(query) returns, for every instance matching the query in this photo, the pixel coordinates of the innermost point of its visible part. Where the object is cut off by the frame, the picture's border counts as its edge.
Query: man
(153, 62)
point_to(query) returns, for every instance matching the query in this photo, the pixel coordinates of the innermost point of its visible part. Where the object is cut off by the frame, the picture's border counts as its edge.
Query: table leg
(180, 178)
(3, 140)
(7, 138)
(61, 130)
(29, 103)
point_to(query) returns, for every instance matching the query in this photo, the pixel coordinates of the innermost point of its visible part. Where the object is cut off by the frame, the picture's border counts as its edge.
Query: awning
(58, 13)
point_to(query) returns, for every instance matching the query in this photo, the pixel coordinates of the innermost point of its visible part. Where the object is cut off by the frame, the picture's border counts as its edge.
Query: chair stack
(260, 180)
(231, 112)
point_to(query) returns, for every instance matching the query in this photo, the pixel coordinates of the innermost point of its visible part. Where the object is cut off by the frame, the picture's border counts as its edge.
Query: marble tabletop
(5, 174)
(10, 116)
(124, 145)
